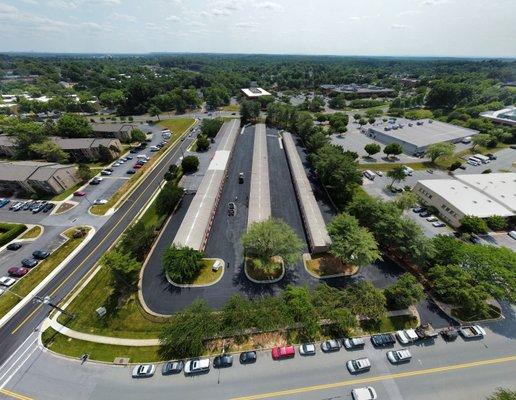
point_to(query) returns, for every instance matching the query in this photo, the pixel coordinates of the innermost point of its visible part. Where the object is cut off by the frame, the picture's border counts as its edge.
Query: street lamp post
(46, 300)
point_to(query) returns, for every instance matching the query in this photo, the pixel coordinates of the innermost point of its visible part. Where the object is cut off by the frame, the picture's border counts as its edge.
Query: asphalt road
(13, 333)
(438, 371)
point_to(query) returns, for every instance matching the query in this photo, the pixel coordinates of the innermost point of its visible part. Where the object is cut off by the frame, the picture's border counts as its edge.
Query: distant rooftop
(255, 92)
(356, 88)
(506, 115)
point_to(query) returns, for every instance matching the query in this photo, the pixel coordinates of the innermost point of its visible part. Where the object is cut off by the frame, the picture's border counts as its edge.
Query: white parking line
(13, 366)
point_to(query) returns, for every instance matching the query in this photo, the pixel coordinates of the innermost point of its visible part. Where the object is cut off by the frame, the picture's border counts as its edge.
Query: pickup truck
(472, 332)
(426, 331)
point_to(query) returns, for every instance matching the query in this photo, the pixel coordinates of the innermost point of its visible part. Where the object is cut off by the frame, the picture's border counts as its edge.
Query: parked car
(354, 343)
(197, 366)
(96, 180)
(431, 219)
(417, 210)
(105, 172)
(426, 331)
(399, 356)
(172, 367)
(438, 224)
(143, 370)
(491, 156)
(462, 166)
(282, 352)
(131, 172)
(512, 234)
(28, 205)
(137, 166)
(241, 177)
(100, 201)
(407, 336)
(4, 202)
(29, 262)
(79, 193)
(17, 272)
(449, 334)
(425, 214)
(329, 346)
(247, 357)
(223, 361)
(383, 340)
(48, 207)
(14, 246)
(154, 148)
(475, 239)
(365, 393)
(307, 349)
(40, 254)
(117, 164)
(231, 209)
(358, 365)
(7, 281)
(472, 332)
(128, 157)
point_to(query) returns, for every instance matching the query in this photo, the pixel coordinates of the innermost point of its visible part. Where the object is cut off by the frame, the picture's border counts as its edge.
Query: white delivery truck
(483, 159)
(369, 174)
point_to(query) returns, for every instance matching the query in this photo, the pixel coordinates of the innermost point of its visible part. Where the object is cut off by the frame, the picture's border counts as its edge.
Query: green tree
(371, 120)
(124, 270)
(137, 135)
(338, 122)
(393, 149)
(497, 223)
(351, 243)
(168, 198)
(405, 292)
(154, 112)
(455, 165)
(365, 300)
(301, 310)
(481, 139)
(397, 174)
(270, 238)
(73, 126)
(472, 224)
(50, 151)
(407, 200)
(372, 148)
(190, 164)
(237, 315)
(84, 172)
(357, 117)
(203, 144)
(503, 394)
(436, 150)
(182, 264)
(210, 127)
(249, 111)
(137, 240)
(317, 140)
(186, 331)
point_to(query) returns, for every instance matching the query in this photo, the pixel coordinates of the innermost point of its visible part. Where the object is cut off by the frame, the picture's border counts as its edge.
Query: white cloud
(123, 17)
(399, 26)
(246, 25)
(433, 2)
(93, 27)
(408, 12)
(220, 12)
(270, 6)
(173, 18)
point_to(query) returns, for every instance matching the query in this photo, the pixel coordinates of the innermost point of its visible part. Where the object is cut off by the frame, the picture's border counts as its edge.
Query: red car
(17, 271)
(137, 166)
(79, 193)
(279, 353)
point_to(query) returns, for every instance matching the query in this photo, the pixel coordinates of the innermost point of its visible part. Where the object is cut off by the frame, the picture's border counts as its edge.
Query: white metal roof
(255, 92)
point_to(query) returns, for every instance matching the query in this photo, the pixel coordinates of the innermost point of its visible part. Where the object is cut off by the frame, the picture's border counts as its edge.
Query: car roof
(403, 353)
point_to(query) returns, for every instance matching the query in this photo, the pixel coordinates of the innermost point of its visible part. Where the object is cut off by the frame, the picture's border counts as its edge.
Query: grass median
(9, 232)
(32, 233)
(26, 284)
(177, 127)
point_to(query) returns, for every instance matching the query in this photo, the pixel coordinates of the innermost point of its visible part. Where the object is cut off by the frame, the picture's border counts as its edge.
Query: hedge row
(10, 232)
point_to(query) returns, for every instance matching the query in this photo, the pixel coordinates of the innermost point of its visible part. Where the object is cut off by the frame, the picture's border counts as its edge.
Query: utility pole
(46, 300)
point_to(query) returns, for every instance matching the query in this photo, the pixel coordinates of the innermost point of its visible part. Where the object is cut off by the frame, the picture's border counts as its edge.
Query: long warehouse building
(196, 225)
(259, 197)
(318, 237)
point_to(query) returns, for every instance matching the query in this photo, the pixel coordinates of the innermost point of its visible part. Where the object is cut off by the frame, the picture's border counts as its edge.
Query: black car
(40, 254)
(417, 210)
(131, 172)
(491, 156)
(425, 214)
(14, 246)
(462, 166)
(248, 357)
(172, 367)
(330, 346)
(109, 169)
(134, 151)
(48, 207)
(129, 157)
(383, 340)
(223, 361)
(29, 262)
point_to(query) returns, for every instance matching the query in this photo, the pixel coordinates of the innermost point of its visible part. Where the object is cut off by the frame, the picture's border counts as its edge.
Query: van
(473, 161)
(216, 265)
(482, 158)
(369, 174)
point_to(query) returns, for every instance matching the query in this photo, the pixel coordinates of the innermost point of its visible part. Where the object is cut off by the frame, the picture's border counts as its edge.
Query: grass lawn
(459, 313)
(152, 219)
(255, 269)
(32, 233)
(326, 264)
(64, 207)
(9, 232)
(100, 352)
(178, 127)
(24, 286)
(207, 276)
(231, 108)
(389, 324)
(67, 192)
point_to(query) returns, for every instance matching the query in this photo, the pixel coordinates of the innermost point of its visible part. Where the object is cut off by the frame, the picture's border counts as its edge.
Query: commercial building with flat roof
(416, 136)
(254, 92)
(358, 90)
(121, 132)
(318, 237)
(507, 116)
(196, 224)
(479, 195)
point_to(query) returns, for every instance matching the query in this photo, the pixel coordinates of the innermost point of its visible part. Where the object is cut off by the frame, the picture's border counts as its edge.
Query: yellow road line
(14, 395)
(101, 242)
(400, 375)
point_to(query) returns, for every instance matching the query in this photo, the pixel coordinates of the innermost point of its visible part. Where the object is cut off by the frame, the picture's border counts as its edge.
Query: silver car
(144, 370)
(358, 365)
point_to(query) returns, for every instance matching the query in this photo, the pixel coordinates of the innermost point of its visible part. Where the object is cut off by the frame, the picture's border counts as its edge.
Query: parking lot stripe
(378, 378)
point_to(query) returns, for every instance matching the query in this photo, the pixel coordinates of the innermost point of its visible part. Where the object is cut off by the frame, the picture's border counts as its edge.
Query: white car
(358, 365)
(364, 393)
(100, 201)
(197, 366)
(7, 281)
(512, 234)
(431, 219)
(307, 349)
(354, 343)
(407, 336)
(399, 356)
(143, 370)
(117, 164)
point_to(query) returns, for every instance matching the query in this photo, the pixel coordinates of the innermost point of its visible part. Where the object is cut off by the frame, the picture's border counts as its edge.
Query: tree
(270, 238)
(137, 135)
(182, 264)
(249, 111)
(210, 127)
(397, 174)
(301, 310)
(50, 151)
(394, 149)
(137, 240)
(455, 165)
(407, 200)
(237, 315)
(497, 223)
(372, 148)
(124, 270)
(357, 117)
(154, 111)
(73, 126)
(186, 332)
(503, 394)
(371, 120)
(365, 300)
(436, 150)
(203, 143)
(481, 139)
(317, 140)
(472, 224)
(338, 122)
(351, 243)
(84, 172)
(190, 164)
(405, 292)
(168, 198)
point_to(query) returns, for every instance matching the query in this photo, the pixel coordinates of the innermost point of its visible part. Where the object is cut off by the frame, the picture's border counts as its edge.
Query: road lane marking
(18, 396)
(174, 153)
(19, 347)
(9, 368)
(290, 392)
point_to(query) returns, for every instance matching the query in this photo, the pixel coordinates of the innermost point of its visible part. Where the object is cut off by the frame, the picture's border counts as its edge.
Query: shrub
(190, 164)
(497, 223)
(10, 232)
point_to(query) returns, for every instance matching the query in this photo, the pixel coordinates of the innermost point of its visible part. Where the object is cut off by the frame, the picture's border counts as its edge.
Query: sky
(459, 28)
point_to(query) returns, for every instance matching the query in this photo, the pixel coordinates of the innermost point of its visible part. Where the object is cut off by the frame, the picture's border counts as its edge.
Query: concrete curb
(200, 285)
(342, 275)
(264, 282)
(74, 204)
(48, 278)
(30, 226)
